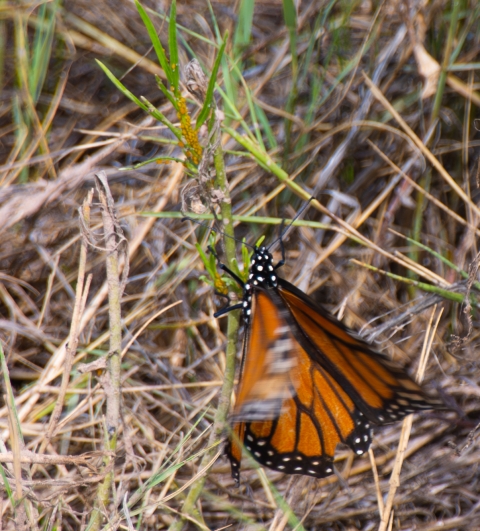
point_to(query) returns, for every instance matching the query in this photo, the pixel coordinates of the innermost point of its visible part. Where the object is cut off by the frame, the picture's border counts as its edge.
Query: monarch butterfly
(307, 382)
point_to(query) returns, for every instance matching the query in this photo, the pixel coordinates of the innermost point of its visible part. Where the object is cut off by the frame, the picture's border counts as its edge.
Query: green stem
(446, 60)
(231, 350)
(448, 295)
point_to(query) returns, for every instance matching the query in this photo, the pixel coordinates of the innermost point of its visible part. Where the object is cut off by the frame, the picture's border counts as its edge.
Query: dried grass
(376, 156)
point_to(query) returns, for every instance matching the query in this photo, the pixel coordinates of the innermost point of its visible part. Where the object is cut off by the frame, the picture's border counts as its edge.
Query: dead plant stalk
(114, 241)
(387, 514)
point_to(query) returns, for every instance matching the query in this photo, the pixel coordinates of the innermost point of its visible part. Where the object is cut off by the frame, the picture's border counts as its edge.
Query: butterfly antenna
(284, 230)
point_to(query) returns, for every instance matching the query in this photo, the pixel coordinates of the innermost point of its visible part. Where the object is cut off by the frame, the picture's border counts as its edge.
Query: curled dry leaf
(192, 198)
(428, 68)
(217, 196)
(195, 79)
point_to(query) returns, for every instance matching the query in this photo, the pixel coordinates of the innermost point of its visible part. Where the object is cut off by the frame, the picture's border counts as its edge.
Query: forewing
(380, 390)
(269, 358)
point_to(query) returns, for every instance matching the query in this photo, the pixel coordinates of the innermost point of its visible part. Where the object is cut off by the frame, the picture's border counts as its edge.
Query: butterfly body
(307, 382)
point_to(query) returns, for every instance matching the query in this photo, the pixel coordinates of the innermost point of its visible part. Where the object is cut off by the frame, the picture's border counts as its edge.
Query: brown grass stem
(80, 301)
(115, 244)
(387, 514)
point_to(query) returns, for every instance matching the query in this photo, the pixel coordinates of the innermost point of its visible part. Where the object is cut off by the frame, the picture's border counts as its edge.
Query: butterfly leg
(223, 267)
(226, 308)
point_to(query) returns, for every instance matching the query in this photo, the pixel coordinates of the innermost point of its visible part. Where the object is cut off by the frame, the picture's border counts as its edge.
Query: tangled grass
(114, 369)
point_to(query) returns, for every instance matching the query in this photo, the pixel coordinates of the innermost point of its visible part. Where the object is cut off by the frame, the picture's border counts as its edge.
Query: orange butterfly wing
(383, 392)
(308, 383)
(269, 357)
(293, 421)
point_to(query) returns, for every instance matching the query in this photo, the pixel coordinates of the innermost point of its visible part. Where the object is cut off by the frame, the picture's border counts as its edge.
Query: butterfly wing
(328, 387)
(290, 417)
(268, 361)
(381, 391)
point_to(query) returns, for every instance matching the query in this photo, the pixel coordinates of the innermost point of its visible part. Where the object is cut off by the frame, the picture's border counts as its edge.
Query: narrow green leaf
(261, 156)
(155, 480)
(155, 159)
(243, 28)
(7, 385)
(42, 47)
(183, 441)
(237, 76)
(6, 485)
(260, 220)
(206, 261)
(260, 241)
(166, 92)
(429, 288)
(245, 256)
(253, 114)
(121, 87)
(204, 113)
(161, 118)
(442, 258)
(262, 118)
(157, 45)
(172, 44)
(216, 29)
(289, 14)
(230, 87)
(141, 102)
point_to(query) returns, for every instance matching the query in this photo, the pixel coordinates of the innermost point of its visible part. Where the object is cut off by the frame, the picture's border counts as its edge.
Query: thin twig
(71, 348)
(115, 243)
(387, 514)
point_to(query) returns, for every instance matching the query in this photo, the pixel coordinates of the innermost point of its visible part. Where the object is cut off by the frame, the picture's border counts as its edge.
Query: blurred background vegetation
(372, 108)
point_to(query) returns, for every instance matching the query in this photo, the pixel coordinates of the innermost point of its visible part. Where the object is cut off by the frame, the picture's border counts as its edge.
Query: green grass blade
(166, 92)
(243, 28)
(261, 156)
(42, 48)
(466, 31)
(442, 259)
(260, 220)
(157, 45)
(172, 44)
(429, 288)
(289, 14)
(452, 31)
(9, 393)
(216, 29)
(253, 114)
(234, 112)
(142, 102)
(262, 118)
(207, 104)
(212, 271)
(120, 86)
(6, 486)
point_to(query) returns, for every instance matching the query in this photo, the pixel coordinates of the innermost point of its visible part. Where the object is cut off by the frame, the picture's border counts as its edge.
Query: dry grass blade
(428, 154)
(396, 178)
(387, 514)
(80, 301)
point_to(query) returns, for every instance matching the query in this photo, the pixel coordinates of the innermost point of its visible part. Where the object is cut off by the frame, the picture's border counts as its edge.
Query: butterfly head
(262, 275)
